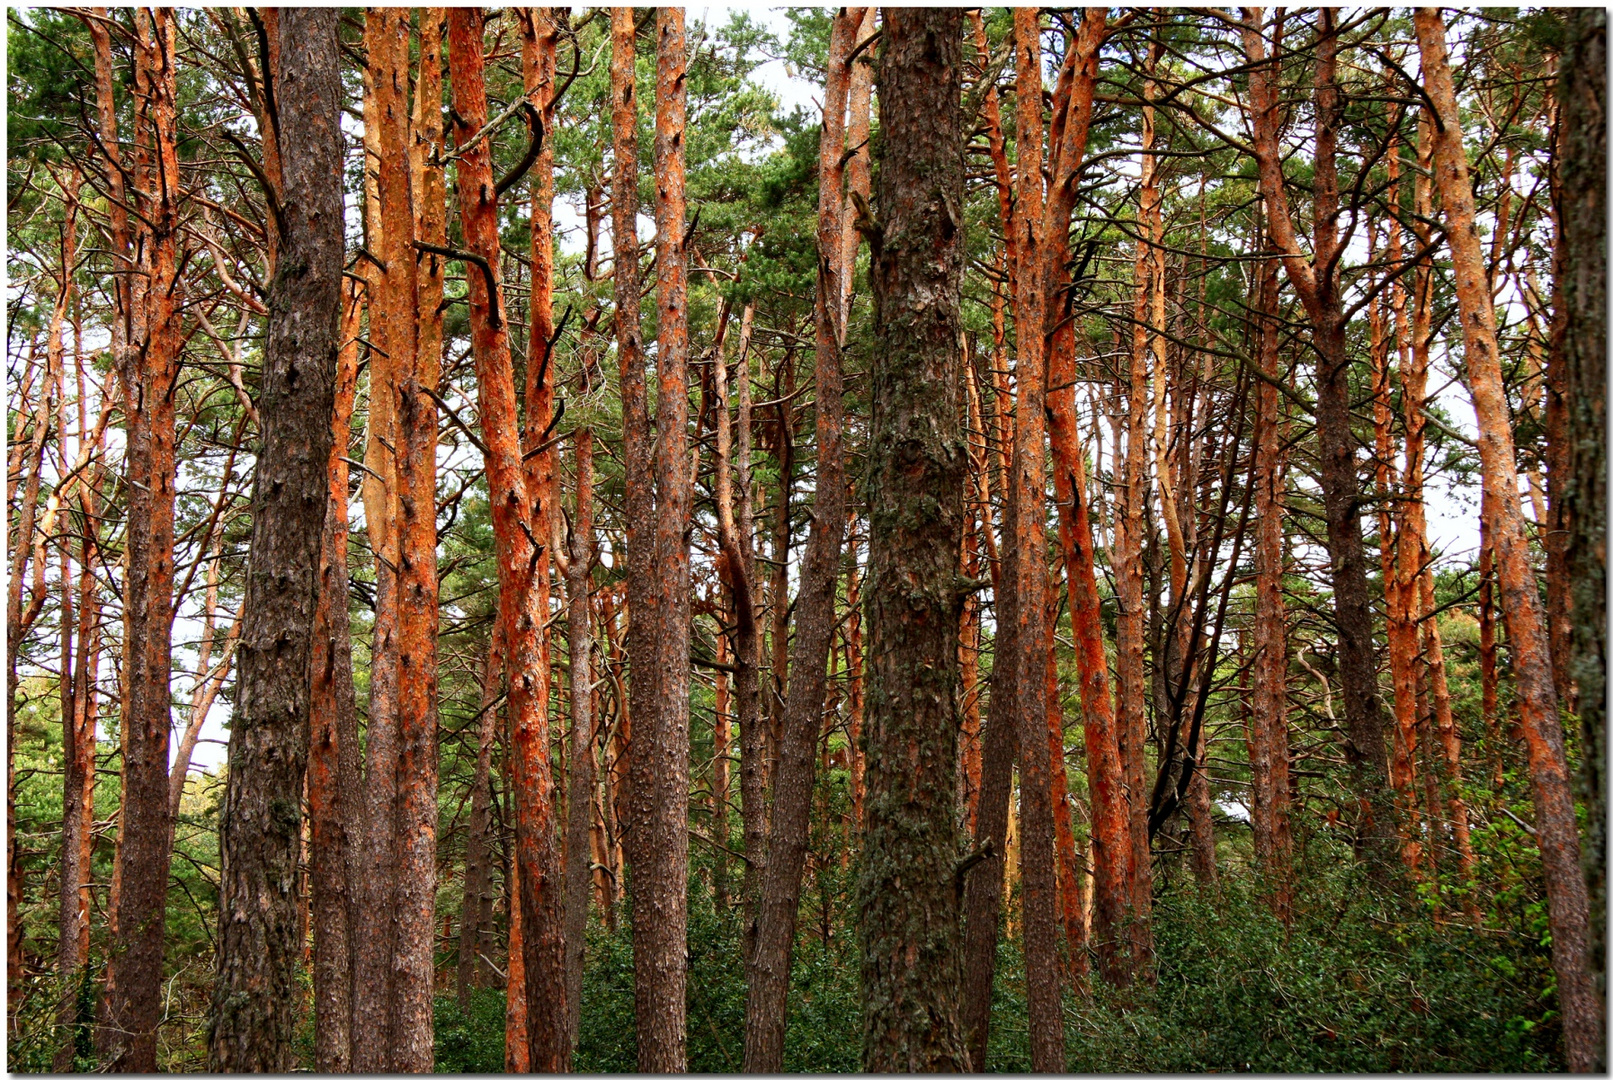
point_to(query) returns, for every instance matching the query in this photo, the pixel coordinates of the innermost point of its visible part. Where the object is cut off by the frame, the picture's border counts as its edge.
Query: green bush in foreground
(1357, 985)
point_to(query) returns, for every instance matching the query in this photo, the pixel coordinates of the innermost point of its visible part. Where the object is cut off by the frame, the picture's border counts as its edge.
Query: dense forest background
(1082, 548)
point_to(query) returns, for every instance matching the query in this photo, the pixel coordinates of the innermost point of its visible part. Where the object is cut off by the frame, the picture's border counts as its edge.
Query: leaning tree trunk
(1557, 832)
(907, 895)
(253, 1014)
(768, 961)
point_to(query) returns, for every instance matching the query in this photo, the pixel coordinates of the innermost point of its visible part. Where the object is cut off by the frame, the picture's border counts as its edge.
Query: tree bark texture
(908, 892)
(1555, 826)
(1582, 214)
(580, 778)
(131, 1003)
(659, 887)
(259, 946)
(539, 871)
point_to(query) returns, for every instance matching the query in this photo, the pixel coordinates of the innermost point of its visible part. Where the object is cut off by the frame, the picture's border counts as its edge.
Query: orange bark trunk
(1555, 826)
(514, 531)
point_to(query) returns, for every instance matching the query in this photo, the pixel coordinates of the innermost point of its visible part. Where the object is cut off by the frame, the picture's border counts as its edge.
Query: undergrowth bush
(1359, 983)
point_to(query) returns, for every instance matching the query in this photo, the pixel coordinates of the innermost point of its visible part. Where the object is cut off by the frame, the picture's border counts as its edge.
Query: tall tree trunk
(78, 750)
(1399, 595)
(580, 800)
(1131, 689)
(333, 750)
(660, 898)
(1555, 825)
(538, 868)
(253, 1014)
(768, 962)
(132, 999)
(1315, 280)
(539, 41)
(639, 728)
(78, 745)
(393, 301)
(983, 889)
(1413, 560)
(1582, 142)
(1268, 737)
(1114, 871)
(907, 895)
(1040, 894)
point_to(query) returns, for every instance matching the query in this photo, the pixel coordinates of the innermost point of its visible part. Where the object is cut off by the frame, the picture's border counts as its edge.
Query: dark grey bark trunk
(254, 1013)
(477, 904)
(1582, 212)
(983, 892)
(908, 890)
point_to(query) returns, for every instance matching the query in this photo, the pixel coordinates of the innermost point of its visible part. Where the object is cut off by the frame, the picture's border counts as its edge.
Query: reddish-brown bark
(1039, 897)
(537, 849)
(1116, 920)
(131, 1001)
(333, 751)
(1556, 830)
(1268, 738)
(661, 759)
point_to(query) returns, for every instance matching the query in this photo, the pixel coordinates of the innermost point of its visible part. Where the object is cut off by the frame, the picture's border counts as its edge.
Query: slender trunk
(580, 802)
(1582, 140)
(473, 964)
(1413, 568)
(1555, 826)
(737, 568)
(638, 730)
(1316, 282)
(983, 889)
(1069, 866)
(77, 767)
(78, 751)
(908, 891)
(538, 869)
(259, 944)
(1040, 894)
(1131, 688)
(539, 41)
(1117, 920)
(1268, 737)
(1399, 594)
(768, 961)
(132, 999)
(859, 177)
(374, 899)
(333, 751)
